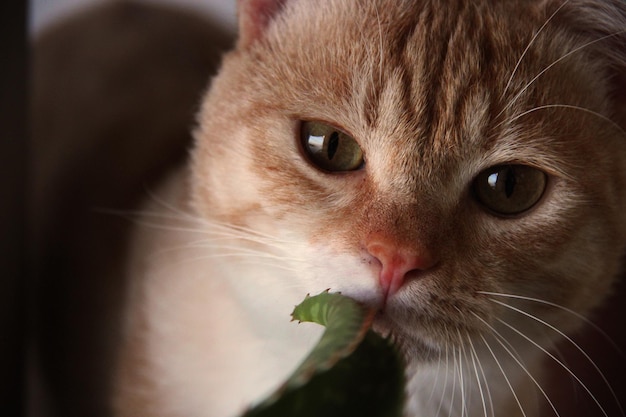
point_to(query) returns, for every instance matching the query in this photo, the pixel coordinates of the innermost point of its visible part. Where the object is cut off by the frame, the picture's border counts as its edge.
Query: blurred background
(113, 87)
(42, 12)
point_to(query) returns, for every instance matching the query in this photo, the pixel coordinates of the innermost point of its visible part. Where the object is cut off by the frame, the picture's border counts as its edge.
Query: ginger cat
(458, 165)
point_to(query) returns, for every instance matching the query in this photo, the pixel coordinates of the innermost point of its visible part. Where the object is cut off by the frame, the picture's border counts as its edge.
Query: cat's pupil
(510, 182)
(333, 144)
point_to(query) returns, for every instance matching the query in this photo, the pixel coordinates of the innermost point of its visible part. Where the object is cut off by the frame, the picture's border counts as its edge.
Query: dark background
(13, 151)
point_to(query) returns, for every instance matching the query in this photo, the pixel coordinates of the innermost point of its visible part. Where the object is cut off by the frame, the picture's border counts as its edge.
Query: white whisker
(506, 378)
(532, 41)
(196, 225)
(432, 391)
(571, 107)
(499, 338)
(573, 51)
(236, 251)
(169, 206)
(454, 379)
(571, 341)
(241, 261)
(445, 381)
(381, 46)
(474, 358)
(544, 350)
(464, 406)
(560, 307)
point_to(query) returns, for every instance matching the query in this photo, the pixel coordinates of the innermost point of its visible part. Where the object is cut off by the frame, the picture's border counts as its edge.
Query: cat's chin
(414, 347)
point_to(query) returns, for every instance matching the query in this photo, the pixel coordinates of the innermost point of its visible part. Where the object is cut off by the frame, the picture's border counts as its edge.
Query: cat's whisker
(171, 212)
(244, 261)
(506, 378)
(572, 342)
(168, 206)
(571, 107)
(197, 226)
(224, 232)
(530, 43)
(472, 353)
(213, 249)
(225, 236)
(514, 355)
(437, 373)
(559, 354)
(474, 371)
(559, 362)
(476, 360)
(237, 230)
(381, 48)
(445, 381)
(459, 364)
(454, 380)
(464, 380)
(562, 308)
(564, 56)
(235, 251)
(252, 232)
(175, 213)
(480, 385)
(135, 216)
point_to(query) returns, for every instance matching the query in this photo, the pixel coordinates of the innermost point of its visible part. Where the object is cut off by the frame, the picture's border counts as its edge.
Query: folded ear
(616, 57)
(606, 21)
(254, 17)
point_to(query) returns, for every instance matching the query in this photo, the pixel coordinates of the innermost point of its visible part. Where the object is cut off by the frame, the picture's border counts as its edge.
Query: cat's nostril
(399, 263)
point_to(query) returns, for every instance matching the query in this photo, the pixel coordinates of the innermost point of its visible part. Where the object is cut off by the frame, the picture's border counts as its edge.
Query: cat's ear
(616, 57)
(619, 89)
(604, 22)
(254, 17)
(608, 21)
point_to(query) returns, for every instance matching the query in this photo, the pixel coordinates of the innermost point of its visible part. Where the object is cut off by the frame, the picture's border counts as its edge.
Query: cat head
(436, 158)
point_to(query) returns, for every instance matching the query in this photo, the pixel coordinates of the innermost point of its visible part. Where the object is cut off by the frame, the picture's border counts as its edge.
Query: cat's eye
(330, 148)
(510, 189)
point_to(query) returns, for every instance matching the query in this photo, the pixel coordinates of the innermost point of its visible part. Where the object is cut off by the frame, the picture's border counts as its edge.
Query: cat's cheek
(223, 189)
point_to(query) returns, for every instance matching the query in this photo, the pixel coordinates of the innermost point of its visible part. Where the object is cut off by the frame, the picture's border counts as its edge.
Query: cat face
(439, 161)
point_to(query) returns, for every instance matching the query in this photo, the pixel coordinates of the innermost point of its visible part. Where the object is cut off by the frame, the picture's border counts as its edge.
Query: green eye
(329, 148)
(510, 189)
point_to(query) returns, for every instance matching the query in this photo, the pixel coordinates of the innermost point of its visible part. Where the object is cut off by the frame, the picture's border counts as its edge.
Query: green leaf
(351, 371)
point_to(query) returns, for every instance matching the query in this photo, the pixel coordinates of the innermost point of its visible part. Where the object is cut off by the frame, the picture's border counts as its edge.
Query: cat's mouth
(411, 345)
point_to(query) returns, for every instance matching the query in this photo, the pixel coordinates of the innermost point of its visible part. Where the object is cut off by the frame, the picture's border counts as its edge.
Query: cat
(457, 165)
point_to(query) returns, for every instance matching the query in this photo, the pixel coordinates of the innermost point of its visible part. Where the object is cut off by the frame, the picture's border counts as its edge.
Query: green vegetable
(352, 371)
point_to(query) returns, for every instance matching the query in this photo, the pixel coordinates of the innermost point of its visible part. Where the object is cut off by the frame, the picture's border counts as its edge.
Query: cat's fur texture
(434, 92)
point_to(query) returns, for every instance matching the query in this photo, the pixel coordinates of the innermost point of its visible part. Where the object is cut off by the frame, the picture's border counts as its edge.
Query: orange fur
(434, 92)
(429, 91)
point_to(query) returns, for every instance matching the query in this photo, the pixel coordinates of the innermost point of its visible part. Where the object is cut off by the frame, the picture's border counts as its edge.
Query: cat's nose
(399, 263)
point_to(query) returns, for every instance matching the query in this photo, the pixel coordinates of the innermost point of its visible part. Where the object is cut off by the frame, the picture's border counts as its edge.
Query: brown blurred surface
(114, 95)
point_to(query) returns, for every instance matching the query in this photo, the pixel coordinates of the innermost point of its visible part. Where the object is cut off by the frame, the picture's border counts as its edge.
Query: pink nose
(398, 262)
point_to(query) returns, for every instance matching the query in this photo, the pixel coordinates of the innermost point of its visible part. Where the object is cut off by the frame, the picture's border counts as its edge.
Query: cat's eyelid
(551, 166)
(301, 120)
